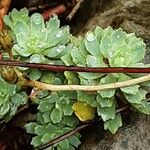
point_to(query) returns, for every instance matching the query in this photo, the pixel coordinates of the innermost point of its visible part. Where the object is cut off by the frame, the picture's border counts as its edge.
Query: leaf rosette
(11, 98)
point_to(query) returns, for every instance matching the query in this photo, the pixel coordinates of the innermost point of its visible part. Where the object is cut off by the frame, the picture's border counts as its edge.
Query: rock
(134, 135)
(132, 16)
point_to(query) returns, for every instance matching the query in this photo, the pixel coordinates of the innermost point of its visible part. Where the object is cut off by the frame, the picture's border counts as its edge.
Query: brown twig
(63, 136)
(39, 7)
(73, 131)
(74, 10)
(60, 68)
(58, 10)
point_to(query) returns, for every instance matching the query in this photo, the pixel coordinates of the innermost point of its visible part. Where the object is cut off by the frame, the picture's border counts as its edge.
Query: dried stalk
(44, 86)
(74, 10)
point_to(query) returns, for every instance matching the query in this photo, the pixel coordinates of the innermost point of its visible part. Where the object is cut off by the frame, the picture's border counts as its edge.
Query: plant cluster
(58, 112)
(11, 98)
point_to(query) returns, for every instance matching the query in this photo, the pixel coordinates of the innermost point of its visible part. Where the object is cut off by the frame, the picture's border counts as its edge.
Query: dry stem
(44, 86)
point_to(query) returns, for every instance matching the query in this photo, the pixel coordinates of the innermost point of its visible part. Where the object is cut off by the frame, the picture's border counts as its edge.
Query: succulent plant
(11, 98)
(39, 42)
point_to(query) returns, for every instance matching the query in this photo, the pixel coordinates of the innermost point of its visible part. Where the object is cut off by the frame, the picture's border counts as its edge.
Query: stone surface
(134, 135)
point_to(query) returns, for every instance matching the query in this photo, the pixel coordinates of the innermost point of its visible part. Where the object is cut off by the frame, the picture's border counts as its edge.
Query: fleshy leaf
(107, 112)
(64, 144)
(36, 141)
(83, 111)
(30, 127)
(113, 124)
(107, 93)
(56, 115)
(74, 141)
(106, 47)
(98, 33)
(104, 102)
(90, 75)
(92, 44)
(131, 89)
(40, 130)
(143, 107)
(77, 56)
(88, 98)
(93, 61)
(53, 24)
(47, 137)
(118, 38)
(137, 98)
(72, 77)
(34, 74)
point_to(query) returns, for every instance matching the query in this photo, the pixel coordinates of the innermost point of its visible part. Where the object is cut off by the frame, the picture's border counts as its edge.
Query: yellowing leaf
(83, 111)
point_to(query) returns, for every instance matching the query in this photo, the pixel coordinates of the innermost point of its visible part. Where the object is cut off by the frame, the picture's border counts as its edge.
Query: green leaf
(4, 109)
(67, 59)
(34, 74)
(53, 97)
(72, 77)
(45, 106)
(46, 117)
(56, 52)
(92, 44)
(131, 89)
(64, 144)
(47, 77)
(105, 102)
(67, 110)
(113, 124)
(88, 98)
(36, 141)
(56, 115)
(70, 120)
(22, 33)
(19, 99)
(106, 47)
(53, 24)
(98, 33)
(37, 24)
(77, 56)
(143, 107)
(138, 50)
(30, 127)
(37, 58)
(42, 94)
(118, 37)
(47, 137)
(107, 112)
(40, 130)
(74, 141)
(90, 75)
(107, 31)
(137, 98)
(93, 61)
(106, 80)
